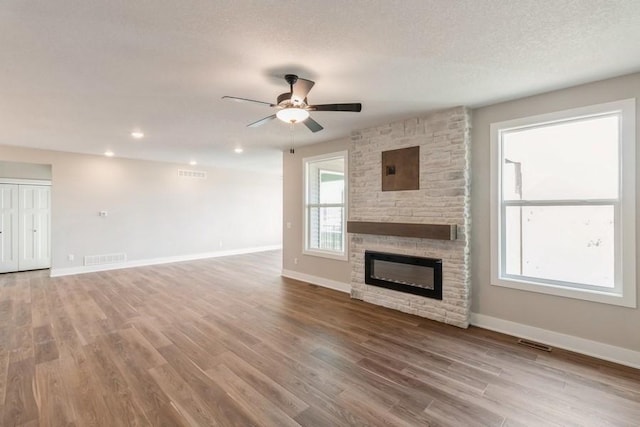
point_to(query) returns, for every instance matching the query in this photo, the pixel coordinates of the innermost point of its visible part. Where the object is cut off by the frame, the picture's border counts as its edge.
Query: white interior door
(34, 225)
(8, 228)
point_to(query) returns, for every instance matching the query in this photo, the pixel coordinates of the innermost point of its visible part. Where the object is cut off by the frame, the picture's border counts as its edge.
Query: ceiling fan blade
(235, 98)
(355, 107)
(312, 125)
(301, 88)
(261, 121)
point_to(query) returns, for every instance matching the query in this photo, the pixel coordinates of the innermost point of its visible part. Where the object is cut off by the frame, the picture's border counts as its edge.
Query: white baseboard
(56, 272)
(597, 349)
(320, 281)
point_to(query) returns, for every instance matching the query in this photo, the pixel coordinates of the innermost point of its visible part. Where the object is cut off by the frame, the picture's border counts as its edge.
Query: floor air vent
(185, 173)
(534, 344)
(104, 259)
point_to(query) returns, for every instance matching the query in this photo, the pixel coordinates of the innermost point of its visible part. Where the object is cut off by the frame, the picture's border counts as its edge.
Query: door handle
(35, 231)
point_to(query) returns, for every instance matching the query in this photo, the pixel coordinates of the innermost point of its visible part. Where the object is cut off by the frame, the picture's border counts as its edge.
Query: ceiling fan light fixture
(293, 106)
(292, 115)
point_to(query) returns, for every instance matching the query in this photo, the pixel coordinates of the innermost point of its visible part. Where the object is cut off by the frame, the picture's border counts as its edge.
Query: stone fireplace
(441, 200)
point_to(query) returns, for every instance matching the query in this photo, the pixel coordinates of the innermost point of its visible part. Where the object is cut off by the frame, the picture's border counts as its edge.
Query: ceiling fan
(293, 106)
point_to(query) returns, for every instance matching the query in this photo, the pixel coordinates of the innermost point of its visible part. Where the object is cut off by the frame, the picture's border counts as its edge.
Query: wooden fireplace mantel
(423, 231)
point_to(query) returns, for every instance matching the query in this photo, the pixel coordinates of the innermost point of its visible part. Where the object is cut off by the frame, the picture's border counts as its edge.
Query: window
(325, 202)
(563, 203)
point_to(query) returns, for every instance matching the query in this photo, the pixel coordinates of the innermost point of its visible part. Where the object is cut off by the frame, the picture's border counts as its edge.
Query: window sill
(612, 298)
(326, 254)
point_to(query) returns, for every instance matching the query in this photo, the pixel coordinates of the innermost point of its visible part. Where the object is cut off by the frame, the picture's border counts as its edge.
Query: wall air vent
(185, 173)
(104, 259)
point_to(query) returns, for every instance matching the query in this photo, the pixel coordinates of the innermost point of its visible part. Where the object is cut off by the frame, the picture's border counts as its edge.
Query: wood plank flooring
(228, 342)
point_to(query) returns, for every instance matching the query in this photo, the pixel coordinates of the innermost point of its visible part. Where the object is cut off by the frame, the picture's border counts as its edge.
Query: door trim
(21, 181)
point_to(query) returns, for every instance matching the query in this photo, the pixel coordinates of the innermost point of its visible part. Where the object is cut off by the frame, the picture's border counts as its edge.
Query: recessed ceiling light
(193, 163)
(109, 153)
(136, 134)
(238, 150)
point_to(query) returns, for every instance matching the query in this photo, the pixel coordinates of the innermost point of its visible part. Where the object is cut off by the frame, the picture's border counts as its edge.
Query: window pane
(568, 160)
(325, 204)
(325, 231)
(565, 243)
(331, 187)
(325, 181)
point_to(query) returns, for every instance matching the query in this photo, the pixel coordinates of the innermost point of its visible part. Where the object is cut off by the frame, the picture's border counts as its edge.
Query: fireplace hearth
(403, 273)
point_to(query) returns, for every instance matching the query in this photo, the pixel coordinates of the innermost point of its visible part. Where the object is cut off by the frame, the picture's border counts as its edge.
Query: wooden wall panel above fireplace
(423, 231)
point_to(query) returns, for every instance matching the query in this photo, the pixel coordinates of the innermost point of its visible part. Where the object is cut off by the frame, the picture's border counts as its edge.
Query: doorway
(25, 217)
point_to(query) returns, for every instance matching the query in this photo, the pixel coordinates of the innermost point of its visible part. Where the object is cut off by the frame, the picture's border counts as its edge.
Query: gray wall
(153, 213)
(599, 322)
(595, 321)
(292, 242)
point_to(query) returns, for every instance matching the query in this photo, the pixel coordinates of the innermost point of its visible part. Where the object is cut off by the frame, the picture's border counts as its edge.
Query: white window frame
(624, 291)
(344, 255)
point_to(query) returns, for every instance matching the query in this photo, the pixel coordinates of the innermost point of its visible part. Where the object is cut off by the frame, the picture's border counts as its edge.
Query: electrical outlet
(70, 257)
(220, 244)
(295, 261)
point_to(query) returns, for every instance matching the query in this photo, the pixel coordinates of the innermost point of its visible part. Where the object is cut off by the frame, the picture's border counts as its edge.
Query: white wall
(153, 213)
(601, 323)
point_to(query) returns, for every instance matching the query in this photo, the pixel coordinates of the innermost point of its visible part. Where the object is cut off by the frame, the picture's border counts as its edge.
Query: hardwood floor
(227, 341)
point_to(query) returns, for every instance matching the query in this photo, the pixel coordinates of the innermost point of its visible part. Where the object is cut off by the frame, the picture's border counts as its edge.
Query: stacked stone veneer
(443, 198)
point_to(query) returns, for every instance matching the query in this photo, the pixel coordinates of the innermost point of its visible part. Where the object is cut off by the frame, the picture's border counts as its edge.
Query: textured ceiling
(79, 75)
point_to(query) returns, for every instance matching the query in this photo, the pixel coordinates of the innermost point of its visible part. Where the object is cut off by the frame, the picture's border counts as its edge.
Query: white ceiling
(80, 75)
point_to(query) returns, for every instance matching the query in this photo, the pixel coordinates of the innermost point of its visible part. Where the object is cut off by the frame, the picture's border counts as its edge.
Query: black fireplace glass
(403, 273)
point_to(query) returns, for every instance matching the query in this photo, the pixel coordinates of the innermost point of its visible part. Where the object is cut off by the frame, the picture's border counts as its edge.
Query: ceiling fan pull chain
(292, 150)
